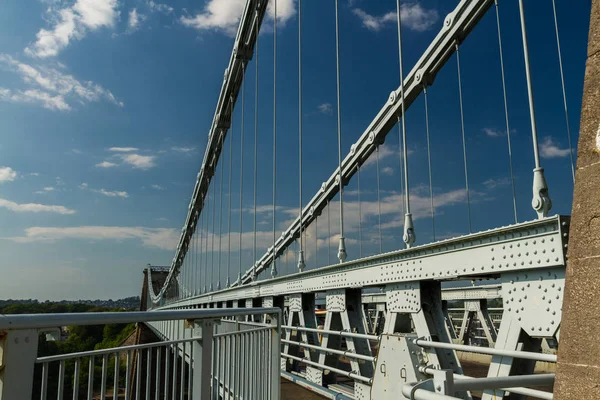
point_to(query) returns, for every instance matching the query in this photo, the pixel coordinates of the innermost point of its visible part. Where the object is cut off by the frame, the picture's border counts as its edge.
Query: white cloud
(73, 23)
(50, 87)
(493, 183)
(549, 149)
(134, 19)
(106, 164)
(491, 132)
(108, 193)
(325, 108)
(414, 17)
(34, 174)
(157, 187)
(123, 149)
(46, 190)
(162, 238)
(114, 193)
(7, 174)
(33, 207)
(139, 161)
(162, 8)
(387, 170)
(183, 149)
(224, 15)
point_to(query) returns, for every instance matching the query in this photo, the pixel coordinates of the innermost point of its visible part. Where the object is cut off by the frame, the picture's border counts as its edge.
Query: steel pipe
(332, 351)
(423, 394)
(498, 382)
(525, 355)
(328, 332)
(325, 367)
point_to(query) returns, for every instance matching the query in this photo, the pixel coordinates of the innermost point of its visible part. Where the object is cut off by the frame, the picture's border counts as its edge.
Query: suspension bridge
(331, 310)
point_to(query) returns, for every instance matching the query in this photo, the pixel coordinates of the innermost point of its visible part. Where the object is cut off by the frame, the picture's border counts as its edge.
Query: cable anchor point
(409, 236)
(541, 201)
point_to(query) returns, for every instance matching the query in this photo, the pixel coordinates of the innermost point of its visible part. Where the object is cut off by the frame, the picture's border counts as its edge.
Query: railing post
(202, 359)
(18, 352)
(275, 342)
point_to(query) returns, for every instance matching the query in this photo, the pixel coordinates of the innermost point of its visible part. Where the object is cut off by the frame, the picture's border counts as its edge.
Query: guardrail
(213, 362)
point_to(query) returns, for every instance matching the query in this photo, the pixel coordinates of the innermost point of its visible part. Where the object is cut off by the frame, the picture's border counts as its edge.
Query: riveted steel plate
(314, 375)
(535, 299)
(295, 301)
(335, 300)
(267, 301)
(403, 297)
(362, 391)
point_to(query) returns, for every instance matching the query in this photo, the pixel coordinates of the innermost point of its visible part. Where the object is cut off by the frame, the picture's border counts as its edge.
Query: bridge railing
(216, 357)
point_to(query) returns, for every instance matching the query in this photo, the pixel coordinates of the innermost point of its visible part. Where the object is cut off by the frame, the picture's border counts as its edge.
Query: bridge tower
(578, 368)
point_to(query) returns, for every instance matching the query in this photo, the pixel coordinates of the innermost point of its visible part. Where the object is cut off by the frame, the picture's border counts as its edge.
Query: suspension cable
(541, 202)
(220, 218)
(510, 162)
(206, 239)
(378, 199)
(316, 242)
(360, 246)
(342, 246)
(409, 235)
(564, 92)
(212, 240)
(273, 264)
(255, 150)
(429, 161)
(328, 235)
(242, 170)
(464, 143)
(301, 264)
(228, 282)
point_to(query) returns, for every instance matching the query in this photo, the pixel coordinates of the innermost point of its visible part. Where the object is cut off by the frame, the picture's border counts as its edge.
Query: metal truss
(502, 252)
(243, 49)
(457, 25)
(449, 294)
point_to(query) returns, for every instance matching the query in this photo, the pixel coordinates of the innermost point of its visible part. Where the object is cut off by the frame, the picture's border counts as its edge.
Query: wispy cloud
(123, 149)
(224, 15)
(50, 87)
(139, 161)
(494, 183)
(162, 8)
(34, 207)
(46, 190)
(107, 193)
(106, 164)
(162, 238)
(72, 23)
(494, 133)
(325, 108)
(413, 15)
(7, 174)
(135, 19)
(183, 149)
(157, 187)
(549, 149)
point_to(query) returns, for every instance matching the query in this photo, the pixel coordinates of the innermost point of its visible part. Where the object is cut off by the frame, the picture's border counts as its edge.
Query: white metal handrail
(201, 364)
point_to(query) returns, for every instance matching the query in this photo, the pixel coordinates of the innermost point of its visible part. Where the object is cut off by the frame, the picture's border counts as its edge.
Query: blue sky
(105, 107)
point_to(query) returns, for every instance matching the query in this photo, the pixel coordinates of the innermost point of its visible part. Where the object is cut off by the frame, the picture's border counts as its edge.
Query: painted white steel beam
(489, 254)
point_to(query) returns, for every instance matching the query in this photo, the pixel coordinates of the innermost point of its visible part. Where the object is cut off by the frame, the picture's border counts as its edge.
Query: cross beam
(488, 254)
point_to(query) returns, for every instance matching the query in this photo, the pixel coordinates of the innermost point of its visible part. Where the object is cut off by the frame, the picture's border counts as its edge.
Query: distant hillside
(36, 306)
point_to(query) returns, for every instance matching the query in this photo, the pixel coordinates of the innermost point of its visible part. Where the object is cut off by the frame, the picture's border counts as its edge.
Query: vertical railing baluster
(61, 380)
(90, 388)
(116, 377)
(128, 376)
(148, 371)
(76, 379)
(138, 374)
(182, 384)
(190, 372)
(157, 377)
(174, 394)
(44, 387)
(166, 385)
(104, 373)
